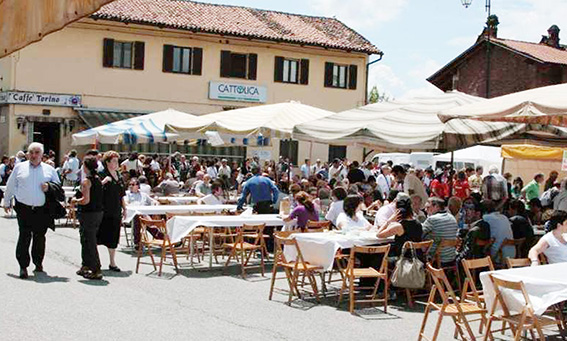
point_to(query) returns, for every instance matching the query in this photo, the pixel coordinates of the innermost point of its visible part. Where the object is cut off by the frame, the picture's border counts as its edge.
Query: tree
(376, 97)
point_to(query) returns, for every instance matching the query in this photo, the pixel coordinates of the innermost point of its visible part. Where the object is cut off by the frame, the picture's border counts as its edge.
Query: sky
(418, 37)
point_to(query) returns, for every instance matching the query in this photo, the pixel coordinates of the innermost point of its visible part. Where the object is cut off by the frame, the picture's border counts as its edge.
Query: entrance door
(48, 134)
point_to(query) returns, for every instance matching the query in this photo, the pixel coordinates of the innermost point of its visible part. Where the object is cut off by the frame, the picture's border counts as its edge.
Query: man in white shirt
(337, 171)
(215, 198)
(71, 169)
(224, 169)
(384, 181)
(412, 185)
(154, 164)
(317, 167)
(20, 157)
(306, 169)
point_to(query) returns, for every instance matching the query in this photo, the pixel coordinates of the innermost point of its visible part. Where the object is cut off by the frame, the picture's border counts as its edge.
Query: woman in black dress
(403, 226)
(114, 206)
(90, 213)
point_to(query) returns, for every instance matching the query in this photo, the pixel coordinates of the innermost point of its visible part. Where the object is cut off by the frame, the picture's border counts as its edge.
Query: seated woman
(352, 218)
(304, 211)
(338, 195)
(553, 244)
(135, 197)
(403, 226)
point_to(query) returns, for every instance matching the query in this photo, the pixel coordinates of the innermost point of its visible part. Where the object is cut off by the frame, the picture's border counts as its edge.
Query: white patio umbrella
(148, 128)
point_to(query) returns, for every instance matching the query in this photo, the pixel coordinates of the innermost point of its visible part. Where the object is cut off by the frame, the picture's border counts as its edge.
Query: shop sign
(237, 92)
(36, 98)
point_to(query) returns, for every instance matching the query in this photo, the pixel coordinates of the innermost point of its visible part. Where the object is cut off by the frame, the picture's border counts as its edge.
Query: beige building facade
(54, 88)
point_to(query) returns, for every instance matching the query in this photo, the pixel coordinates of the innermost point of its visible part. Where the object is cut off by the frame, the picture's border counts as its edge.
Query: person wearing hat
(263, 193)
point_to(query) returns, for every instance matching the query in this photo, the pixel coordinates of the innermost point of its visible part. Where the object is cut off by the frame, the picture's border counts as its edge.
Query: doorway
(47, 133)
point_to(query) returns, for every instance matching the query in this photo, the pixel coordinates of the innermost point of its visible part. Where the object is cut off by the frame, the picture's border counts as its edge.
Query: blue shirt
(500, 229)
(260, 188)
(25, 183)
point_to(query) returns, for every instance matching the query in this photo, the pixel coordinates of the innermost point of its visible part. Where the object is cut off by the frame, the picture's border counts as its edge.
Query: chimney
(552, 38)
(491, 28)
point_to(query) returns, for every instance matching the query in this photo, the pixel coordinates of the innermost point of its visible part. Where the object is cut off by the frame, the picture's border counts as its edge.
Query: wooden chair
(470, 293)
(351, 273)
(318, 225)
(194, 238)
(424, 247)
(526, 319)
(453, 266)
(518, 262)
(294, 268)
(261, 237)
(147, 241)
(516, 243)
(450, 306)
(244, 250)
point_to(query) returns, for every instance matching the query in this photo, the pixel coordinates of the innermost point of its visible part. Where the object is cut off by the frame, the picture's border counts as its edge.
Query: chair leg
(152, 257)
(262, 262)
(161, 260)
(437, 326)
(140, 246)
(468, 327)
(273, 281)
(423, 322)
(488, 333)
(242, 263)
(343, 287)
(174, 257)
(351, 295)
(314, 286)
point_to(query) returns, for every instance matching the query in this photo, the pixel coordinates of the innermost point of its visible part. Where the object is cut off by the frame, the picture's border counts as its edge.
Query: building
(512, 65)
(137, 56)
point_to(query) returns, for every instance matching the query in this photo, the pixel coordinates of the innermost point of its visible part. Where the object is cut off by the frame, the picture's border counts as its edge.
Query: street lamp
(466, 3)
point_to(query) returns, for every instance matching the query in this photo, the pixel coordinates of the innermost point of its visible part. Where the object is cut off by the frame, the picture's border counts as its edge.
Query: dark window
(238, 65)
(337, 152)
(123, 54)
(289, 149)
(340, 76)
(179, 59)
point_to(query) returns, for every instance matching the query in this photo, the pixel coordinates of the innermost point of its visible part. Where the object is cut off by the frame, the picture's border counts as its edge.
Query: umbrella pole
(503, 166)
(452, 158)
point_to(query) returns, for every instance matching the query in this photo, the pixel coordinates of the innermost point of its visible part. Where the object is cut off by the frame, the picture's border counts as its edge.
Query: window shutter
(252, 65)
(197, 61)
(328, 74)
(225, 64)
(304, 75)
(139, 55)
(352, 73)
(278, 69)
(108, 52)
(167, 58)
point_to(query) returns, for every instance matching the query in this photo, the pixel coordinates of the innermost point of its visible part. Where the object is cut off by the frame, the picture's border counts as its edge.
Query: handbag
(409, 272)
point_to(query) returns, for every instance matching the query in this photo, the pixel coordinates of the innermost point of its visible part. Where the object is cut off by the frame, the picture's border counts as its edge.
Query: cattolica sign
(237, 92)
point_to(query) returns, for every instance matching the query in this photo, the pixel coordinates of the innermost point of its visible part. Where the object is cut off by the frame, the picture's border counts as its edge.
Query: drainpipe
(381, 54)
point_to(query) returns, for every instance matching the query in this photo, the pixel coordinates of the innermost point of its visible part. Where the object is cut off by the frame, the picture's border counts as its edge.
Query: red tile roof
(541, 52)
(238, 21)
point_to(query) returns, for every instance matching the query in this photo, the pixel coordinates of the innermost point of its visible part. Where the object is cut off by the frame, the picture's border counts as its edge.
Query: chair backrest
(162, 201)
(442, 286)
(145, 223)
(518, 262)
(517, 243)
(318, 225)
(313, 230)
(510, 285)
(424, 246)
(444, 243)
(470, 280)
(283, 239)
(248, 229)
(383, 249)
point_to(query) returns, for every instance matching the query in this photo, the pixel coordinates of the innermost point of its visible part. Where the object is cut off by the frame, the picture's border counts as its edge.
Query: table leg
(211, 246)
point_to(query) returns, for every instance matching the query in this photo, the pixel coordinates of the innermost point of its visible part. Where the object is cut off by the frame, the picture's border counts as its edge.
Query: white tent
(400, 124)
(270, 120)
(546, 105)
(148, 128)
(479, 155)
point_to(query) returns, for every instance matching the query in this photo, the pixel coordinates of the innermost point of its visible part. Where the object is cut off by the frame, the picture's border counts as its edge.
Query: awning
(532, 152)
(94, 117)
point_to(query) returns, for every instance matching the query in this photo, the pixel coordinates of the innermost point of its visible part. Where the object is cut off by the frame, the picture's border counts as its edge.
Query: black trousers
(33, 223)
(89, 224)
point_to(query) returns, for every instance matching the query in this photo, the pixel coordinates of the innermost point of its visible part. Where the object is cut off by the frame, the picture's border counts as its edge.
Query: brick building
(513, 65)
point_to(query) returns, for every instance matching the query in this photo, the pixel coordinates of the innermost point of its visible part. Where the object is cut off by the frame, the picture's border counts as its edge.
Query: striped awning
(94, 117)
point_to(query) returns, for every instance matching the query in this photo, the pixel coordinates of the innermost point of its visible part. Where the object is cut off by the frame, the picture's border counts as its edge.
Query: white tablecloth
(179, 200)
(132, 211)
(180, 226)
(320, 248)
(546, 285)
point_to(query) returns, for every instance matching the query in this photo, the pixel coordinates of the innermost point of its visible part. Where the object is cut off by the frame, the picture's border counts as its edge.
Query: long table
(179, 200)
(546, 285)
(132, 211)
(181, 226)
(320, 248)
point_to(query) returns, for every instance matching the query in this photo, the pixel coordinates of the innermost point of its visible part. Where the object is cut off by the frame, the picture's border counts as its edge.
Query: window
(295, 71)
(340, 76)
(289, 149)
(238, 65)
(180, 59)
(336, 152)
(123, 54)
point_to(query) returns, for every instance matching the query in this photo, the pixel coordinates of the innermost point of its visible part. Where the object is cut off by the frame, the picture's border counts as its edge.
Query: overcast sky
(420, 36)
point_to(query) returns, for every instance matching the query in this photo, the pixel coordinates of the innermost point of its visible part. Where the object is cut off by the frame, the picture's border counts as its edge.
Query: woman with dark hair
(517, 186)
(90, 213)
(402, 226)
(338, 195)
(536, 212)
(352, 218)
(439, 188)
(304, 211)
(114, 206)
(461, 188)
(521, 227)
(553, 243)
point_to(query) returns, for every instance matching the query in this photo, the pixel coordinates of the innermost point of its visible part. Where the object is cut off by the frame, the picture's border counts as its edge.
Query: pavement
(197, 303)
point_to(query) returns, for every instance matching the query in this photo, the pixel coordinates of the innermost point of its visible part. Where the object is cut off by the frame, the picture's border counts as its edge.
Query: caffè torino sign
(237, 92)
(37, 98)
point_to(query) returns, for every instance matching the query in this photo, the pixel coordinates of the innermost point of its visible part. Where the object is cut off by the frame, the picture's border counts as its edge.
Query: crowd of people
(407, 203)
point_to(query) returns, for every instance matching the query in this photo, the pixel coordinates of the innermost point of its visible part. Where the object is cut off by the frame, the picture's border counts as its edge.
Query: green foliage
(376, 97)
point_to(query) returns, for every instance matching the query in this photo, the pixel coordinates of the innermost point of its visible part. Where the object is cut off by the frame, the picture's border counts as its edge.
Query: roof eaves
(452, 63)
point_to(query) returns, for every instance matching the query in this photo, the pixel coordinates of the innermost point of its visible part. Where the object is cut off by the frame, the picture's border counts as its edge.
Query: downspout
(381, 54)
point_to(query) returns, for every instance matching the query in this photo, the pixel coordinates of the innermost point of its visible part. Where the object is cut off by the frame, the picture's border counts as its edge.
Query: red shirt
(461, 189)
(439, 189)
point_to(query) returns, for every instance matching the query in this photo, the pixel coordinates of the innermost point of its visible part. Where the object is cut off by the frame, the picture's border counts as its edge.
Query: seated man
(202, 186)
(135, 197)
(440, 224)
(169, 185)
(215, 198)
(500, 230)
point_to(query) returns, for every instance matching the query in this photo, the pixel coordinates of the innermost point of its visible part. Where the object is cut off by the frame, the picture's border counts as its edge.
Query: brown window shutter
(108, 52)
(167, 58)
(139, 55)
(225, 64)
(328, 74)
(197, 61)
(278, 69)
(304, 75)
(352, 73)
(252, 66)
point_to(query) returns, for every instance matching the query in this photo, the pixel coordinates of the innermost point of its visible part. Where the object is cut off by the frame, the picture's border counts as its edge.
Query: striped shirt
(441, 225)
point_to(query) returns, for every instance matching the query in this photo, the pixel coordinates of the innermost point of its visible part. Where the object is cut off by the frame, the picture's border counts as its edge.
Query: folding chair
(194, 239)
(516, 243)
(525, 319)
(351, 273)
(450, 306)
(453, 266)
(518, 262)
(148, 241)
(318, 225)
(294, 268)
(424, 247)
(470, 293)
(244, 250)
